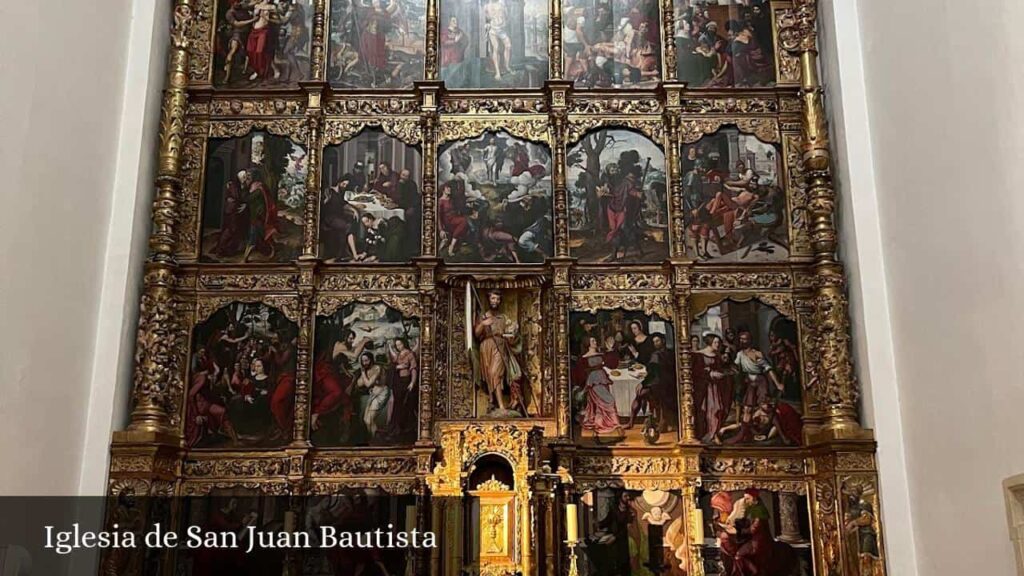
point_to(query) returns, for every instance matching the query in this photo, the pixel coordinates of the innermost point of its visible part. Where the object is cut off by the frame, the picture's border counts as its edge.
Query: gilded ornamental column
(681, 301)
(668, 31)
(555, 49)
(159, 337)
(430, 60)
(839, 390)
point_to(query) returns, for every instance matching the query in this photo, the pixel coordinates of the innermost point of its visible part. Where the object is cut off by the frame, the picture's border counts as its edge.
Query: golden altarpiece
(492, 472)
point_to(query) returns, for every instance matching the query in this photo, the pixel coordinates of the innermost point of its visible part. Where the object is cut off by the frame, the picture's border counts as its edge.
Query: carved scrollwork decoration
(199, 41)
(256, 107)
(766, 129)
(407, 130)
(651, 304)
(579, 126)
(372, 106)
(741, 280)
(587, 281)
(601, 106)
(533, 129)
(194, 153)
(287, 305)
(368, 283)
(408, 305)
(796, 27)
(296, 129)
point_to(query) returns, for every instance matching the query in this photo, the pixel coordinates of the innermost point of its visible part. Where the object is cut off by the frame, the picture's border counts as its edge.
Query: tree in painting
(262, 43)
(377, 43)
(371, 205)
(623, 377)
(242, 386)
(254, 199)
(618, 198)
(631, 532)
(611, 43)
(494, 200)
(746, 376)
(494, 43)
(365, 377)
(734, 205)
(756, 532)
(725, 43)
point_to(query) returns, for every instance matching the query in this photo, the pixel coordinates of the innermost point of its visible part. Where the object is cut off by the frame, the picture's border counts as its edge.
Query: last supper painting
(623, 378)
(254, 199)
(242, 386)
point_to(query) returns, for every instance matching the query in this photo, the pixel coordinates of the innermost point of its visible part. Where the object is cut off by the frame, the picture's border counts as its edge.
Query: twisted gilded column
(319, 49)
(159, 337)
(430, 64)
(668, 40)
(555, 50)
(681, 300)
(839, 390)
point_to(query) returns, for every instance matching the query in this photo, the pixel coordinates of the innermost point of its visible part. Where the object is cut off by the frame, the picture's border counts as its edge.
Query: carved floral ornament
(580, 126)
(651, 304)
(297, 129)
(782, 303)
(407, 130)
(765, 129)
(534, 129)
(408, 305)
(286, 305)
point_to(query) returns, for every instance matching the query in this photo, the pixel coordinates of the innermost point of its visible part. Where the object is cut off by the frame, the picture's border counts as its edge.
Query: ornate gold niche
(833, 468)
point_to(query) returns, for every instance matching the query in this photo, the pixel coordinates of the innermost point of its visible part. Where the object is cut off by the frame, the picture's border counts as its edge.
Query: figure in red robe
(234, 222)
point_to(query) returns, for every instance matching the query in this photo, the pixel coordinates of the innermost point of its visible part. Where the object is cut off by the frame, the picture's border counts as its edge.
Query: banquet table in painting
(624, 387)
(376, 205)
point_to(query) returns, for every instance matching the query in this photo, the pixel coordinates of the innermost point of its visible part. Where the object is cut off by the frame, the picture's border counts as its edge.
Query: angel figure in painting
(499, 365)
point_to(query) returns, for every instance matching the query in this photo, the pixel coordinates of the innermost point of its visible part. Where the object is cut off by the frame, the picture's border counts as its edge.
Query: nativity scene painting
(493, 43)
(503, 345)
(632, 532)
(377, 43)
(262, 43)
(618, 203)
(494, 203)
(241, 389)
(725, 43)
(254, 199)
(733, 199)
(371, 208)
(357, 510)
(623, 378)
(753, 532)
(239, 511)
(611, 43)
(365, 377)
(746, 376)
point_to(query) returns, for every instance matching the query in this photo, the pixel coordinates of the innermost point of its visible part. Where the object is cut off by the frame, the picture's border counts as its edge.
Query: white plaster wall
(72, 107)
(930, 140)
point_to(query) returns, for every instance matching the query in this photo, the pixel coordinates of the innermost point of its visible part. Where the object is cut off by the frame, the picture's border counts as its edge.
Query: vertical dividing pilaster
(681, 300)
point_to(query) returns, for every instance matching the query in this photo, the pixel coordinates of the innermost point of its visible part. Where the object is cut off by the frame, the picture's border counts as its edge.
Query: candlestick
(571, 525)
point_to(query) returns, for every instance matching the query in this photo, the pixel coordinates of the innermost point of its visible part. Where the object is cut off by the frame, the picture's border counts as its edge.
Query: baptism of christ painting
(618, 203)
(494, 43)
(377, 43)
(262, 43)
(254, 199)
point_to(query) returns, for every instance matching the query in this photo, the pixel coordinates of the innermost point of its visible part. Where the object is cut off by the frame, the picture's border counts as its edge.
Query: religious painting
(618, 198)
(733, 199)
(494, 200)
(632, 532)
(371, 205)
(623, 378)
(262, 43)
(242, 379)
(751, 532)
(860, 518)
(747, 386)
(725, 43)
(254, 199)
(359, 511)
(502, 336)
(365, 377)
(230, 521)
(494, 43)
(377, 43)
(611, 43)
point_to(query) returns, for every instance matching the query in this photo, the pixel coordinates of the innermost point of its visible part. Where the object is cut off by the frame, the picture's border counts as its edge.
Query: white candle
(698, 526)
(410, 518)
(469, 315)
(571, 525)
